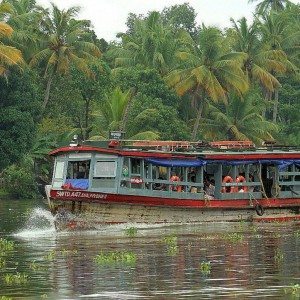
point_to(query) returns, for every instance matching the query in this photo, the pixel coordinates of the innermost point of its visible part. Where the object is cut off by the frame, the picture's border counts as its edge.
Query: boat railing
(152, 184)
(187, 146)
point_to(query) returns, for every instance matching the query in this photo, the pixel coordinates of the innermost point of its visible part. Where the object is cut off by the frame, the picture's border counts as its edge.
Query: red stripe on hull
(158, 201)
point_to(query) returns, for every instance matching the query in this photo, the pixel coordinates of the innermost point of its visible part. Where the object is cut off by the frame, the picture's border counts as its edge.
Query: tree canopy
(165, 77)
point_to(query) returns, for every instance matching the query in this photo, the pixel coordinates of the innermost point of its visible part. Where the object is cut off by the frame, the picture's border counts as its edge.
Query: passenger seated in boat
(192, 175)
(175, 178)
(159, 186)
(81, 172)
(209, 189)
(192, 178)
(251, 179)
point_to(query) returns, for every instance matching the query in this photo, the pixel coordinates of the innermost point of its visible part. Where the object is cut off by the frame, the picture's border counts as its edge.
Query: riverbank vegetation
(166, 77)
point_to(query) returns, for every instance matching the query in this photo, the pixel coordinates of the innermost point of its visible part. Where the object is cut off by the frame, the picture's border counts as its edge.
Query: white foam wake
(40, 222)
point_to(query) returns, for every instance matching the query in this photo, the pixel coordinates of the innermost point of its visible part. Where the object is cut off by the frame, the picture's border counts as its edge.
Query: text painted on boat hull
(79, 194)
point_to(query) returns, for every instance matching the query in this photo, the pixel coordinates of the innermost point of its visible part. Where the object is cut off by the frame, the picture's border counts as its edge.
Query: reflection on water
(245, 260)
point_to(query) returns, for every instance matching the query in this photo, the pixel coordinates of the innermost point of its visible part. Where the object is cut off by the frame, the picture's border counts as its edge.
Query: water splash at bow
(40, 222)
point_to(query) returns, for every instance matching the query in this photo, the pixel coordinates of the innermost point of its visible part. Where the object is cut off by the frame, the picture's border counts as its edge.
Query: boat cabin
(179, 170)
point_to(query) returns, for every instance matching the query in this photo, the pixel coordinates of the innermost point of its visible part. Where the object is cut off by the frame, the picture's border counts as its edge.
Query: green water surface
(208, 261)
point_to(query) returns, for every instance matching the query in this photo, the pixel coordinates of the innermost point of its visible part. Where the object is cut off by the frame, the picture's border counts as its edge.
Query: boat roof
(221, 150)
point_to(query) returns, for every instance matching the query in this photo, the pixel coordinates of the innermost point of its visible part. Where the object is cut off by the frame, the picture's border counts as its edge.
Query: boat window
(211, 169)
(78, 169)
(105, 169)
(289, 179)
(192, 173)
(297, 170)
(58, 174)
(240, 178)
(159, 172)
(135, 166)
(59, 169)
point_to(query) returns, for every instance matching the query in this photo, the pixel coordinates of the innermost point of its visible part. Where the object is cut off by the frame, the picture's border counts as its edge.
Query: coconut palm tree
(65, 43)
(152, 44)
(25, 18)
(279, 34)
(239, 120)
(9, 55)
(266, 5)
(206, 71)
(113, 114)
(262, 63)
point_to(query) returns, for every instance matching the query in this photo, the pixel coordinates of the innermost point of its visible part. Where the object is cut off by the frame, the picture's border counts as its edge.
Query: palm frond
(5, 30)
(146, 135)
(265, 78)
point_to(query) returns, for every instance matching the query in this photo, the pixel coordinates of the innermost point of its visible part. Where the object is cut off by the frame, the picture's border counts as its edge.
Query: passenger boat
(121, 181)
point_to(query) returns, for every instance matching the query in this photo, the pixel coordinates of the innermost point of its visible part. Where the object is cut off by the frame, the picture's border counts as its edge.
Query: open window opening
(78, 175)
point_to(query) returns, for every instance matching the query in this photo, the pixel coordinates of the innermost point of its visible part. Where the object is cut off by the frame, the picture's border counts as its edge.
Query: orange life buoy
(239, 180)
(228, 189)
(175, 187)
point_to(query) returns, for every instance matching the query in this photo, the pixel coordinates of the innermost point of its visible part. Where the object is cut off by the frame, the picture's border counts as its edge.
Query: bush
(19, 182)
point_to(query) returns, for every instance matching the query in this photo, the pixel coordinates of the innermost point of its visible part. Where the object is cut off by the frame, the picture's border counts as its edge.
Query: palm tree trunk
(86, 118)
(267, 100)
(47, 92)
(197, 122)
(125, 116)
(275, 107)
(126, 112)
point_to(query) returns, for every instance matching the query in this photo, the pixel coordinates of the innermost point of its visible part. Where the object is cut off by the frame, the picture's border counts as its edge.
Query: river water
(206, 261)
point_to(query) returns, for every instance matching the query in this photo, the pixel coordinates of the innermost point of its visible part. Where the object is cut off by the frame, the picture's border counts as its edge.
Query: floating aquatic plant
(278, 255)
(36, 266)
(17, 279)
(51, 255)
(65, 252)
(253, 228)
(297, 233)
(205, 267)
(2, 263)
(6, 246)
(276, 235)
(242, 224)
(5, 298)
(293, 290)
(235, 237)
(115, 257)
(131, 232)
(171, 242)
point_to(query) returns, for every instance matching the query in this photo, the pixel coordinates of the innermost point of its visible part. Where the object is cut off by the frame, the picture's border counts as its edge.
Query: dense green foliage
(19, 110)
(166, 78)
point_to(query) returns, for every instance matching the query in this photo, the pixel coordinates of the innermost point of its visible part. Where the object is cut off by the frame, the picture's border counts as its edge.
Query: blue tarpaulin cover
(176, 162)
(81, 184)
(281, 163)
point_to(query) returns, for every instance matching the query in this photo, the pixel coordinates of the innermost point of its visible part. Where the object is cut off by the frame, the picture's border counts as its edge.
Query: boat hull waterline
(89, 209)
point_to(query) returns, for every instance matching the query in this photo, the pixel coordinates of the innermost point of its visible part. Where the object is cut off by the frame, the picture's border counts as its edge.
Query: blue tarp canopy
(281, 163)
(233, 162)
(176, 162)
